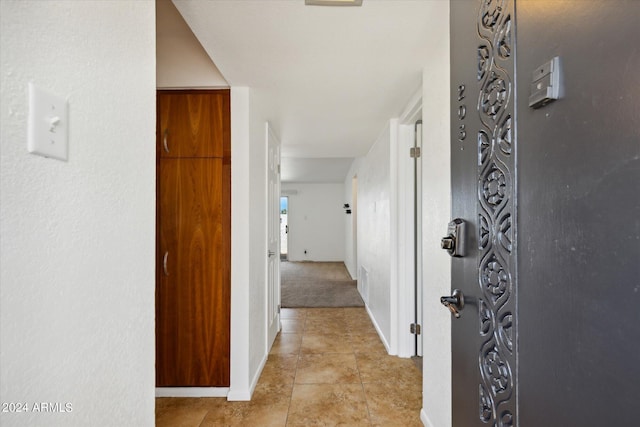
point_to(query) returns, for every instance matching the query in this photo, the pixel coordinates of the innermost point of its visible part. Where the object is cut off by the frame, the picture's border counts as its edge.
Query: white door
(273, 237)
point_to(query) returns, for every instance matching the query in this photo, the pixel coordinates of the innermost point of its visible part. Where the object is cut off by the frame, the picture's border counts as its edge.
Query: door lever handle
(455, 302)
(270, 253)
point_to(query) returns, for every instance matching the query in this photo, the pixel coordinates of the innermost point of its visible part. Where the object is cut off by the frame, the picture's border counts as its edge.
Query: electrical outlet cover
(48, 124)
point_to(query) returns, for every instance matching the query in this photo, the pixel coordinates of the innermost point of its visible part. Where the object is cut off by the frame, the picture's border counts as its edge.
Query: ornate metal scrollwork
(494, 95)
(496, 213)
(486, 405)
(483, 61)
(494, 278)
(503, 135)
(494, 185)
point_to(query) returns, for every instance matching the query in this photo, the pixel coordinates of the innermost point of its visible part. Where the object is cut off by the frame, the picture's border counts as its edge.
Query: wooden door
(193, 325)
(193, 245)
(194, 124)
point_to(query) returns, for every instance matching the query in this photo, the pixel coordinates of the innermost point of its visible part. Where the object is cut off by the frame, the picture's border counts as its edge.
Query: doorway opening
(284, 228)
(409, 230)
(354, 224)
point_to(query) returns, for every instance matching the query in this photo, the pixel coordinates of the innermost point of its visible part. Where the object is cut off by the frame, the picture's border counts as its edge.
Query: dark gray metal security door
(483, 181)
(548, 192)
(579, 216)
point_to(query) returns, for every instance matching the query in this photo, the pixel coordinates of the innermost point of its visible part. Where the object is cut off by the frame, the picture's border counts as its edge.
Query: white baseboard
(244, 395)
(192, 391)
(239, 395)
(425, 419)
(256, 377)
(380, 334)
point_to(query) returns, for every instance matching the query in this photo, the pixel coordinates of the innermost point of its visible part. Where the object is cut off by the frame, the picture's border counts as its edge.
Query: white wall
(248, 241)
(258, 185)
(436, 211)
(240, 388)
(77, 249)
(316, 222)
(182, 61)
(374, 230)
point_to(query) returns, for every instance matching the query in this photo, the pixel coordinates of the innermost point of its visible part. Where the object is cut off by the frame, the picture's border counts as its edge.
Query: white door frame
(273, 237)
(405, 233)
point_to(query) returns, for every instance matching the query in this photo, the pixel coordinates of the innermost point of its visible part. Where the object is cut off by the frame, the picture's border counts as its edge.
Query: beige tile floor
(327, 367)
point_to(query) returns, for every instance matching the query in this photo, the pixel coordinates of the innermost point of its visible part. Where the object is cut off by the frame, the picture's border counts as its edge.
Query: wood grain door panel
(193, 334)
(194, 124)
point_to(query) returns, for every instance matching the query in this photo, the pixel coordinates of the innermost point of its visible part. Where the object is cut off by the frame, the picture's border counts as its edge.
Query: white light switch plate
(48, 124)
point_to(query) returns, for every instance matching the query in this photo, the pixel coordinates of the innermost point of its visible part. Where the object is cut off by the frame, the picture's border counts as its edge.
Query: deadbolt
(448, 243)
(455, 302)
(454, 241)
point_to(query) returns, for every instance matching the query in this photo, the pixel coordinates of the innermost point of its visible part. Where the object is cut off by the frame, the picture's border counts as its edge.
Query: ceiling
(330, 77)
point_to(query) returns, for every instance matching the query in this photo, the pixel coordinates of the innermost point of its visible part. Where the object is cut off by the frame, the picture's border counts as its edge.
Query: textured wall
(374, 229)
(436, 211)
(182, 61)
(249, 245)
(258, 185)
(77, 246)
(240, 244)
(316, 222)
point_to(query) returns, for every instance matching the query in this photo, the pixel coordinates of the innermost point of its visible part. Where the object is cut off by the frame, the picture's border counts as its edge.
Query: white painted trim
(403, 247)
(417, 231)
(378, 330)
(270, 135)
(256, 377)
(240, 395)
(394, 214)
(192, 391)
(413, 110)
(425, 419)
(245, 395)
(266, 239)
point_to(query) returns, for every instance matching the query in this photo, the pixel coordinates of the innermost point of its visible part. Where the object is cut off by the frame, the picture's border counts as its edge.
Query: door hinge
(278, 169)
(414, 152)
(414, 329)
(279, 307)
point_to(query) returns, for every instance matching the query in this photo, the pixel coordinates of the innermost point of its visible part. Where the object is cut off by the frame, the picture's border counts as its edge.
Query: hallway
(327, 367)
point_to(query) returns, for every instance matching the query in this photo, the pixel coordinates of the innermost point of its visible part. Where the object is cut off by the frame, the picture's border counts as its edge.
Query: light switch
(48, 124)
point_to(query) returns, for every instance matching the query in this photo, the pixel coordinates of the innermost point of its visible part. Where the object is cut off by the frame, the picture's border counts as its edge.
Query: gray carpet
(317, 284)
